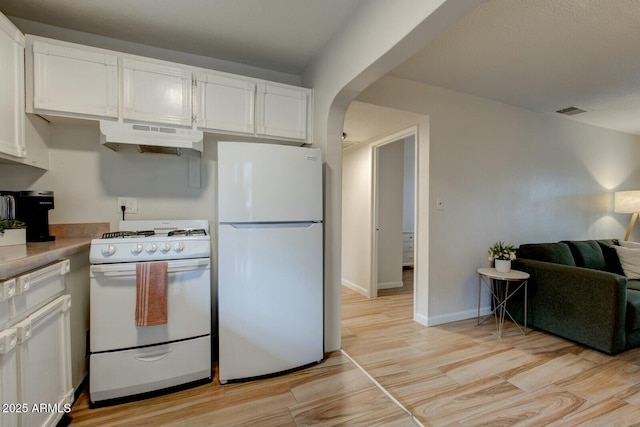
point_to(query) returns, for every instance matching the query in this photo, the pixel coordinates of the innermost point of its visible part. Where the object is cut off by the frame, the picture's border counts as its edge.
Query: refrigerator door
(259, 182)
(270, 298)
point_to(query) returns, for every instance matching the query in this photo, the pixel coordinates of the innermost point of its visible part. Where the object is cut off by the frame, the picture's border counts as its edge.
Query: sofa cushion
(633, 309)
(630, 261)
(558, 253)
(611, 256)
(587, 253)
(633, 284)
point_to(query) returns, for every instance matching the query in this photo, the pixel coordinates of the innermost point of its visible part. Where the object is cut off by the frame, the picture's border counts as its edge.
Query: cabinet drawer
(36, 288)
(140, 370)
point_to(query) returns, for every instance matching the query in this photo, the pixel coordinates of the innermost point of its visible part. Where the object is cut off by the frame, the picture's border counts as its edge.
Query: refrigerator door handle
(301, 224)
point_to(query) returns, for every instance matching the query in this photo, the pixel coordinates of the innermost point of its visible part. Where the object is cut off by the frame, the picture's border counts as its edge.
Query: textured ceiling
(280, 35)
(542, 55)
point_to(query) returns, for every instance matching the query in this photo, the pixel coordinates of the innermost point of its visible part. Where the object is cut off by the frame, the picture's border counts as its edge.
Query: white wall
(379, 37)
(356, 218)
(509, 174)
(87, 178)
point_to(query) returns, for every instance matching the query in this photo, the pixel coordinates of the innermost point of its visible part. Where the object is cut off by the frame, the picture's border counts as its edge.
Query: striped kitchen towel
(151, 293)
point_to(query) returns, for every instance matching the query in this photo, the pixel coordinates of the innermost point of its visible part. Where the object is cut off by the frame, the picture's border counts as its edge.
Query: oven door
(113, 305)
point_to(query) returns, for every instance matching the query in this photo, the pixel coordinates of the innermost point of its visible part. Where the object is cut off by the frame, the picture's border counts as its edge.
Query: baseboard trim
(358, 289)
(390, 285)
(455, 317)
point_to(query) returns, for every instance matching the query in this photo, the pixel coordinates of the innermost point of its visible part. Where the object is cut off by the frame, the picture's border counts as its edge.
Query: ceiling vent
(571, 111)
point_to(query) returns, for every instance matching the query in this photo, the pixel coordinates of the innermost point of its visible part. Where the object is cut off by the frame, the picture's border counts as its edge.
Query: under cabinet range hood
(152, 138)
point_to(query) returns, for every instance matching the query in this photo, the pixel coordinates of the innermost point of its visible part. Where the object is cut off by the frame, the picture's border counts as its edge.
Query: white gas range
(129, 360)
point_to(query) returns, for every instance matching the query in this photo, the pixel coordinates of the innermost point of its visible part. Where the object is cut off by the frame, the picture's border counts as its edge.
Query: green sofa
(577, 290)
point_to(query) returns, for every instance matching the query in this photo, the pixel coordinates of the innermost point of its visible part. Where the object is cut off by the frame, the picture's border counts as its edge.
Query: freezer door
(270, 299)
(259, 182)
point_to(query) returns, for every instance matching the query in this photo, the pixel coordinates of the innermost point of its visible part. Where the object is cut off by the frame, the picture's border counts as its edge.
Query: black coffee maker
(32, 207)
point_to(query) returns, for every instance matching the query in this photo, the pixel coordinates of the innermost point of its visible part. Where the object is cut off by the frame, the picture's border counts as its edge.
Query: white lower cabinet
(44, 364)
(8, 378)
(35, 348)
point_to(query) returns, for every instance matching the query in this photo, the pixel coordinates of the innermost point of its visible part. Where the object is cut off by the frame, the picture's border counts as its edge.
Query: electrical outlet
(130, 204)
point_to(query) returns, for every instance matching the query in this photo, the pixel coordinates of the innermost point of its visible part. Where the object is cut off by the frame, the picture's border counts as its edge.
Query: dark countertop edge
(43, 253)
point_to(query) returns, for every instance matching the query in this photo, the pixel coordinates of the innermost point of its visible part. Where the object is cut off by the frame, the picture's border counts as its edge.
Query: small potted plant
(502, 254)
(12, 232)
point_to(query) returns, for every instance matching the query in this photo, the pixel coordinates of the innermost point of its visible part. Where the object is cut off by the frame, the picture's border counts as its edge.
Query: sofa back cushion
(611, 256)
(587, 253)
(558, 253)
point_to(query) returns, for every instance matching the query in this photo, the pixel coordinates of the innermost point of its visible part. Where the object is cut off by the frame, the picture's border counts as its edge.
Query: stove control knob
(179, 247)
(152, 248)
(109, 250)
(136, 249)
(165, 247)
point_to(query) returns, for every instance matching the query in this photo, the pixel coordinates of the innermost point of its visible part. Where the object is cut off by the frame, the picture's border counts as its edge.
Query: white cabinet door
(11, 89)
(44, 363)
(156, 93)
(225, 103)
(8, 378)
(281, 112)
(73, 81)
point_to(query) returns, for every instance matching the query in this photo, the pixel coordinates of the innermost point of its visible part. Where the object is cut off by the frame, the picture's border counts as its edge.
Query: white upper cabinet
(11, 89)
(70, 80)
(158, 93)
(225, 103)
(282, 111)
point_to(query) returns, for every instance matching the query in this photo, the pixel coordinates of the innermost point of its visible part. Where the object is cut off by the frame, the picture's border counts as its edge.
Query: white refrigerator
(270, 259)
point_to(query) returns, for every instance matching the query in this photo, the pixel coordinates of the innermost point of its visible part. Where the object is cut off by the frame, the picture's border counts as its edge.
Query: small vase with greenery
(10, 224)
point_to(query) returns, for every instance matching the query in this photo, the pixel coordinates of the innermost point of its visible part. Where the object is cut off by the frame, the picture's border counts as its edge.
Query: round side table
(498, 285)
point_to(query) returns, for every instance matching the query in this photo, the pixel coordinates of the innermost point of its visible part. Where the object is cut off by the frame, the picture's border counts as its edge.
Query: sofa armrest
(583, 305)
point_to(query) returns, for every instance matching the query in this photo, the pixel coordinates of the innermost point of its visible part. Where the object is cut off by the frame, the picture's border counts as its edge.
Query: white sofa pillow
(630, 261)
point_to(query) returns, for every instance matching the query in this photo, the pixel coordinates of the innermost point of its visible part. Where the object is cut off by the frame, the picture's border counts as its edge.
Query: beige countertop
(20, 258)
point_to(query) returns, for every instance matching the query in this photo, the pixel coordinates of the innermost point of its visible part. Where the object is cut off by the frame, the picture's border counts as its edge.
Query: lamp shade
(626, 201)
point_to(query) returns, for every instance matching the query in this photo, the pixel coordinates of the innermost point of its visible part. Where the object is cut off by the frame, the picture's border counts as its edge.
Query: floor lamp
(627, 202)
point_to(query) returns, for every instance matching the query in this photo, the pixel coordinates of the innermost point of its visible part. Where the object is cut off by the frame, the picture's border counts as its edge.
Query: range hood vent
(152, 138)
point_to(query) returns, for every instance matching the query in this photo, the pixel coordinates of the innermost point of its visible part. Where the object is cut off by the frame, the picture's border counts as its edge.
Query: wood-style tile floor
(457, 374)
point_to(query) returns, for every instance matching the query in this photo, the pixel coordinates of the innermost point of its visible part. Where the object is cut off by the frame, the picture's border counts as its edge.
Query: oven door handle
(130, 269)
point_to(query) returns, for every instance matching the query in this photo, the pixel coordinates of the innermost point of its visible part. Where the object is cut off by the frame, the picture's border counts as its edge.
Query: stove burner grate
(190, 232)
(124, 234)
